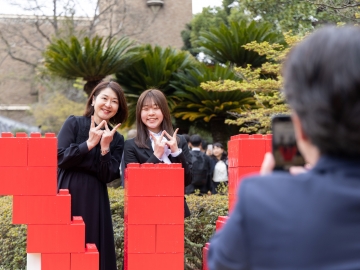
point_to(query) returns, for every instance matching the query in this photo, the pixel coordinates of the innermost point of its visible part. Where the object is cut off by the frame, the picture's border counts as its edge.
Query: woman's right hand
(159, 145)
(95, 133)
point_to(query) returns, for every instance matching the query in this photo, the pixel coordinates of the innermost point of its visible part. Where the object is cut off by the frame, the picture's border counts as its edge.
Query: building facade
(157, 22)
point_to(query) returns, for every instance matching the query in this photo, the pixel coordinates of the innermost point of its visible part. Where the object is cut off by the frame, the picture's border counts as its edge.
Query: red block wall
(28, 169)
(154, 217)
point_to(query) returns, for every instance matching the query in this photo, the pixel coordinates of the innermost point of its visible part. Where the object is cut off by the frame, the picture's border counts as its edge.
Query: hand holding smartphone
(284, 147)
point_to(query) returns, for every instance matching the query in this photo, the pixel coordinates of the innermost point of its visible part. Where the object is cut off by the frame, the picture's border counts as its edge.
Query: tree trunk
(219, 130)
(90, 85)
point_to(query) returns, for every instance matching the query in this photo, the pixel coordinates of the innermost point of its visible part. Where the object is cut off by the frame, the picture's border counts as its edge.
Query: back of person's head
(195, 140)
(187, 137)
(204, 145)
(322, 86)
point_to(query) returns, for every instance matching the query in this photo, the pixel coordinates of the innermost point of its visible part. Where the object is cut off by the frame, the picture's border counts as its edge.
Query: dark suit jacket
(207, 186)
(134, 154)
(308, 221)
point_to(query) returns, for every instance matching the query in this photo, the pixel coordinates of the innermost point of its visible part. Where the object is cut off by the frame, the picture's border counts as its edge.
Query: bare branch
(13, 56)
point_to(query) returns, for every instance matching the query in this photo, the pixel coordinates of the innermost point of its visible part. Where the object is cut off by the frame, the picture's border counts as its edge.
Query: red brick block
(88, 260)
(59, 261)
(246, 151)
(42, 209)
(155, 180)
(236, 175)
(14, 151)
(170, 238)
(205, 251)
(41, 181)
(156, 261)
(42, 151)
(155, 210)
(268, 143)
(57, 238)
(140, 238)
(12, 180)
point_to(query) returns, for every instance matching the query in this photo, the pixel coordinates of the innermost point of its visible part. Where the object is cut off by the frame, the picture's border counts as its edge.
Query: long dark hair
(160, 100)
(122, 113)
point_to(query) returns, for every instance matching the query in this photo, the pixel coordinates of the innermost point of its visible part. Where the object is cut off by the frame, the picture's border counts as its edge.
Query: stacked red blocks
(154, 217)
(28, 169)
(219, 224)
(246, 153)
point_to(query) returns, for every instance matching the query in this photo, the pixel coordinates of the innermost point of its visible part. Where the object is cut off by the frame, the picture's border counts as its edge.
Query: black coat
(134, 154)
(85, 173)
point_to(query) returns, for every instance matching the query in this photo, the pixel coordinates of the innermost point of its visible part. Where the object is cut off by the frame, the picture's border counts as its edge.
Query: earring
(92, 104)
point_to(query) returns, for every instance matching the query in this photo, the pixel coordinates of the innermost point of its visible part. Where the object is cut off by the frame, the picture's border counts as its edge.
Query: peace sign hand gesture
(172, 142)
(108, 136)
(95, 133)
(159, 145)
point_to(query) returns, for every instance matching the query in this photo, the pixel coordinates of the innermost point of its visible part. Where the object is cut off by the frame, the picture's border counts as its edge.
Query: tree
(155, 70)
(36, 31)
(269, 99)
(225, 43)
(301, 16)
(209, 109)
(92, 60)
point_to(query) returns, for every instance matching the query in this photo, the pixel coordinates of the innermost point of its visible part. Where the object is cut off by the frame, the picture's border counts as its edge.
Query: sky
(6, 8)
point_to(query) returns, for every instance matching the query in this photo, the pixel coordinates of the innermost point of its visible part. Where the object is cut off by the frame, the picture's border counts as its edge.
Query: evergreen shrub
(198, 229)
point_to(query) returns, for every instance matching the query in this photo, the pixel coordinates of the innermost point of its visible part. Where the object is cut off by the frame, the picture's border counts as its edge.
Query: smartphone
(284, 147)
(209, 149)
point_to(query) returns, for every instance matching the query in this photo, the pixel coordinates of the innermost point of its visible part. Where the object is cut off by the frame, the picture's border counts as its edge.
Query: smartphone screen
(284, 145)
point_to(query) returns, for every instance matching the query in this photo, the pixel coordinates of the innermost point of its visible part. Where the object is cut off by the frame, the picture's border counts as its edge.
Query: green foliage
(200, 226)
(265, 82)
(209, 108)
(12, 238)
(301, 16)
(225, 43)
(91, 59)
(198, 229)
(155, 70)
(52, 114)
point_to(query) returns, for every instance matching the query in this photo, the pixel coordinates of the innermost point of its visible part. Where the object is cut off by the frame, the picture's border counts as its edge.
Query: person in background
(187, 138)
(308, 218)
(89, 155)
(131, 134)
(203, 145)
(219, 167)
(201, 168)
(156, 141)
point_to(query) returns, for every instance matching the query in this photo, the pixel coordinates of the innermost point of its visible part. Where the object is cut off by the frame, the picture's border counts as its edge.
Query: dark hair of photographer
(325, 91)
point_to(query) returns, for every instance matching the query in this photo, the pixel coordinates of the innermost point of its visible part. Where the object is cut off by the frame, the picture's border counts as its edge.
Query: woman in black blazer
(156, 140)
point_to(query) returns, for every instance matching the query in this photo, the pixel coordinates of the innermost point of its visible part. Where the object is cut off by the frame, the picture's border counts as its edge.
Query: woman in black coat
(89, 155)
(156, 140)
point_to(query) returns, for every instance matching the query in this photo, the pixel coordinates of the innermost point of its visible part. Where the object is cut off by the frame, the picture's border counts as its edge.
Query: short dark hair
(122, 113)
(187, 137)
(204, 144)
(195, 140)
(322, 85)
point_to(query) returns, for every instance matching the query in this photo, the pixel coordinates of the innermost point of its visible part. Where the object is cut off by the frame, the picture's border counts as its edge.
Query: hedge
(198, 229)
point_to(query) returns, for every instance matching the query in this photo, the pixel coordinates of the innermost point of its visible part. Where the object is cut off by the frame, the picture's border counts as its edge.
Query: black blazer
(134, 154)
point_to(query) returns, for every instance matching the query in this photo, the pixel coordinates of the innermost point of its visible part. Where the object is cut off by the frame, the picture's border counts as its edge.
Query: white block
(33, 261)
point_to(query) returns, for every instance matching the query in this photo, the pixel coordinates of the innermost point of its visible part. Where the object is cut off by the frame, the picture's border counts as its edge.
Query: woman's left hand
(172, 141)
(107, 136)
